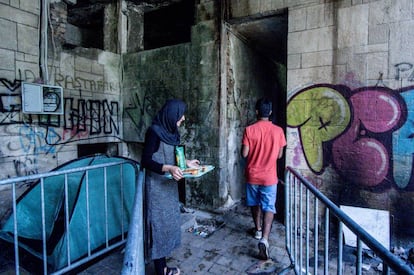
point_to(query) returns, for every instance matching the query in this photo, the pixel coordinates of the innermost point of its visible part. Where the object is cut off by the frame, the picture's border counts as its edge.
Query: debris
(205, 228)
(366, 267)
(399, 252)
(369, 253)
(380, 267)
(262, 267)
(411, 255)
(184, 209)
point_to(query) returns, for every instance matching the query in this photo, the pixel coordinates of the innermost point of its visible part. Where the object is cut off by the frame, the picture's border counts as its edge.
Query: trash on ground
(262, 267)
(205, 227)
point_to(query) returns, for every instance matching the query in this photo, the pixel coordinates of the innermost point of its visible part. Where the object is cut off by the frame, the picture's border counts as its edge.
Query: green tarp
(82, 194)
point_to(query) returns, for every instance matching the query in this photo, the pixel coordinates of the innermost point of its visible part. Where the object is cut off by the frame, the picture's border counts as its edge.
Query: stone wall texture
(36, 143)
(349, 96)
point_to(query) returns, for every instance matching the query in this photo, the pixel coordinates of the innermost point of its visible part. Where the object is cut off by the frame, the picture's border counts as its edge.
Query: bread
(192, 171)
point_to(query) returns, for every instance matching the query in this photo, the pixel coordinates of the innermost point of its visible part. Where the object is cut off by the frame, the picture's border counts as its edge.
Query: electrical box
(42, 99)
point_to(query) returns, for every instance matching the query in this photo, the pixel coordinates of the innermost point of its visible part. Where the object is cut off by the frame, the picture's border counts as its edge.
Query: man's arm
(280, 153)
(245, 151)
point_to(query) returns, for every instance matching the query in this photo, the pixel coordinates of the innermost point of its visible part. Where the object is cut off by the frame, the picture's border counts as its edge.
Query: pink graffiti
(359, 152)
(351, 81)
(73, 133)
(297, 152)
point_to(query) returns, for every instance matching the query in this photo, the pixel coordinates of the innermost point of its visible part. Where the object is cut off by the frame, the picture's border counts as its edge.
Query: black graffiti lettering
(29, 76)
(65, 81)
(10, 103)
(11, 86)
(90, 84)
(58, 80)
(68, 114)
(78, 83)
(8, 118)
(95, 117)
(69, 81)
(111, 86)
(22, 168)
(75, 118)
(400, 68)
(100, 85)
(92, 117)
(49, 120)
(81, 117)
(110, 115)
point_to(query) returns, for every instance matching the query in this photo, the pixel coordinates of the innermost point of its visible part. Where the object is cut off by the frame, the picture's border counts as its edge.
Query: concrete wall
(190, 72)
(108, 97)
(350, 95)
(350, 70)
(33, 143)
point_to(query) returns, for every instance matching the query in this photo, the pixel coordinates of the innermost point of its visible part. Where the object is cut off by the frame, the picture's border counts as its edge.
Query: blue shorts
(265, 196)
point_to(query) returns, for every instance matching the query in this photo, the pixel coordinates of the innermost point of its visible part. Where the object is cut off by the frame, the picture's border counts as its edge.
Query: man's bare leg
(257, 216)
(264, 241)
(267, 224)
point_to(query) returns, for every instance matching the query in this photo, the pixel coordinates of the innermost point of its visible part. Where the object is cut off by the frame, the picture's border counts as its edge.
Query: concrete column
(135, 31)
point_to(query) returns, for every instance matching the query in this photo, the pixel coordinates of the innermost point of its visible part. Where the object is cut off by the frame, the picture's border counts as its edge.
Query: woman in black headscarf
(162, 210)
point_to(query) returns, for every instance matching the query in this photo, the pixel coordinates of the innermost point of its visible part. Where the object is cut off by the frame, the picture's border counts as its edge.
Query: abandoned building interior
(339, 74)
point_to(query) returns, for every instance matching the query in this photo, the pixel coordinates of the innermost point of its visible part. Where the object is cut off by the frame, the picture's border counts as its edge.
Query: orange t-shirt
(265, 140)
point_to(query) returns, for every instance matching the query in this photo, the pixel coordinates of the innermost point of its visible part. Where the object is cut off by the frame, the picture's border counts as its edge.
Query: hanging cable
(44, 43)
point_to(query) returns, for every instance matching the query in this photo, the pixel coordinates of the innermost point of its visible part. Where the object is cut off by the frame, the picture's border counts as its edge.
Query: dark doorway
(266, 36)
(108, 148)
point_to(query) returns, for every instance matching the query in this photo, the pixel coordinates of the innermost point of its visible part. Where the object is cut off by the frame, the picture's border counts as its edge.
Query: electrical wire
(44, 42)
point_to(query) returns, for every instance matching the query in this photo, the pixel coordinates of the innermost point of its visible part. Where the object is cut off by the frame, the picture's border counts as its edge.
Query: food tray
(201, 171)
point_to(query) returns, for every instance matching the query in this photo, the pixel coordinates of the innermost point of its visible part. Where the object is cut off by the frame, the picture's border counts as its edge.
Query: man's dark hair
(264, 107)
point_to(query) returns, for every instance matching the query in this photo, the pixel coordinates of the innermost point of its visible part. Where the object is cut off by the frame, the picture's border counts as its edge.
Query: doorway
(256, 66)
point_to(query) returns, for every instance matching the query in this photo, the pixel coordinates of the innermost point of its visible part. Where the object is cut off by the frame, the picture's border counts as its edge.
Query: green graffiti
(320, 114)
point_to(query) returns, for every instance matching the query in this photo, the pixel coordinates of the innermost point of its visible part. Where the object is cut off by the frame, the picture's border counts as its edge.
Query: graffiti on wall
(366, 134)
(82, 119)
(141, 107)
(70, 82)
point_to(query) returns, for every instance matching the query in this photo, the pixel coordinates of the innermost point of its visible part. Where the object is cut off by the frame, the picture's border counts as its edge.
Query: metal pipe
(16, 236)
(316, 238)
(134, 262)
(67, 219)
(326, 238)
(340, 248)
(300, 228)
(42, 201)
(307, 233)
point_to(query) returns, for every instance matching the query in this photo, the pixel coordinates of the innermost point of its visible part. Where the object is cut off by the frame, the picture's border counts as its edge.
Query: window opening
(85, 25)
(169, 25)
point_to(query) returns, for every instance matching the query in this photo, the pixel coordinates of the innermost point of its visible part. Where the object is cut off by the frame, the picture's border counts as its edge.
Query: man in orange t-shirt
(262, 145)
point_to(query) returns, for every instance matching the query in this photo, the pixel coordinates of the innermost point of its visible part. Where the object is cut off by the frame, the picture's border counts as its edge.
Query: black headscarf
(165, 122)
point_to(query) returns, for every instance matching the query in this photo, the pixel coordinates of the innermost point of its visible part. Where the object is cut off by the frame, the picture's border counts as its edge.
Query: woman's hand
(194, 163)
(175, 171)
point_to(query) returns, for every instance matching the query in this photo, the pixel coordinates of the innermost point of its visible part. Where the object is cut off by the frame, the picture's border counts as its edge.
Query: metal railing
(108, 202)
(307, 232)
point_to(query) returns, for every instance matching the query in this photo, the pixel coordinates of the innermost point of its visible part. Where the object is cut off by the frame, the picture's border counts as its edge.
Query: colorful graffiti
(94, 116)
(320, 114)
(31, 135)
(365, 134)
